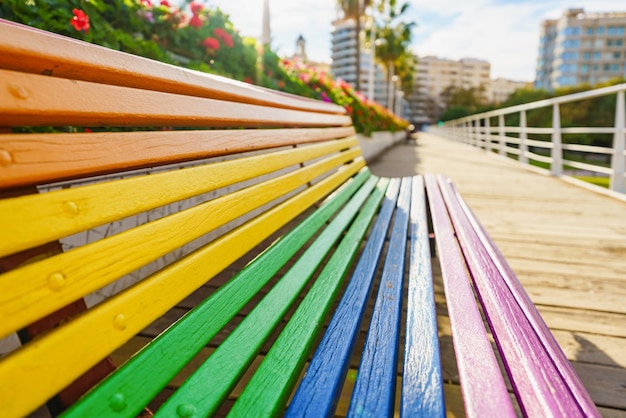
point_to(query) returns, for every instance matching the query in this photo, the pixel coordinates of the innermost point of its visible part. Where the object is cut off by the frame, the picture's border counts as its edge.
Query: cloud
(503, 32)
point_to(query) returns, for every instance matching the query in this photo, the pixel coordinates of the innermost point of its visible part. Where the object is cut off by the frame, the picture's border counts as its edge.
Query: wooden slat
(39, 288)
(267, 392)
(37, 371)
(27, 49)
(321, 386)
(37, 100)
(30, 159)
(484, 390)
(422, 381)
(375, 388)
(234, 355)
(33, 220)
(150, 370)
(534, 375)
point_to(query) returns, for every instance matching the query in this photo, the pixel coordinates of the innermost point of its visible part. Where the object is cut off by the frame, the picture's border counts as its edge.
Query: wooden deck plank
(566, 244)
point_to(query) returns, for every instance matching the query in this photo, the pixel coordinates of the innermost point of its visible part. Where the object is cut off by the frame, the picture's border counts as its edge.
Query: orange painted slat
(46, 158)
(36, 100)
(23, 48)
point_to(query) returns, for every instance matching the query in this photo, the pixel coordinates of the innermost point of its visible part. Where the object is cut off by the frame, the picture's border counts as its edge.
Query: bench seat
(308, 279)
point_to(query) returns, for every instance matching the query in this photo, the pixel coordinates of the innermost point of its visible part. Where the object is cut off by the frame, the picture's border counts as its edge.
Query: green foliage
(193, 36)
(367, 116)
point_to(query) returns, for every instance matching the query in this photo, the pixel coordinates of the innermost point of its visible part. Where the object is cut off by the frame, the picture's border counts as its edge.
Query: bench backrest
(134, 237)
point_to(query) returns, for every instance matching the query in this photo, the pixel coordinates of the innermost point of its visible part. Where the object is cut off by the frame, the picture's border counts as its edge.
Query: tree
(462, 101)
(393, 40)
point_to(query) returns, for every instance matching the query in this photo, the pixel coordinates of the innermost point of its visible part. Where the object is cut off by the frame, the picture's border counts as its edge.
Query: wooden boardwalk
(566, 244)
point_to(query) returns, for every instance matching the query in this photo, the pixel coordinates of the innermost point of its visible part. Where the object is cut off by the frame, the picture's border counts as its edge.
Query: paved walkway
(566, 244)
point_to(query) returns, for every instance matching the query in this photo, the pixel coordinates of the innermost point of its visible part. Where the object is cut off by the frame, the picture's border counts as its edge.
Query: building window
(571, 43)
(589, 31)
(586, 56)
(572, 31)
(615, 30)
(570, 56)
(597, 55)
(617, 55)
(584, 68)
(600, 30)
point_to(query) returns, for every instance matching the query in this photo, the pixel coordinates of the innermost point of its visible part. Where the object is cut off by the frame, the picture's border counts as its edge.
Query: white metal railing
(489, 131)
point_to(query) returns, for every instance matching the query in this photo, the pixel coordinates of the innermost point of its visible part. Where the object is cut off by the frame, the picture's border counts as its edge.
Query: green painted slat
(143, 376)
(231, 359)
(268, 390)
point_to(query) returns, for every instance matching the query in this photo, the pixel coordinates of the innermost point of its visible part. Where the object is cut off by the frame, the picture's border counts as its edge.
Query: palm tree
(393, 41)
(355, 9)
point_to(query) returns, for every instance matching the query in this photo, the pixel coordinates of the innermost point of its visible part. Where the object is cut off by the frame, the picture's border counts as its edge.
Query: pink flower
(196, 8)
(146, 3)
(195, 21)
(224, 36)
(211, 44)
(165, 3)
(80, 21)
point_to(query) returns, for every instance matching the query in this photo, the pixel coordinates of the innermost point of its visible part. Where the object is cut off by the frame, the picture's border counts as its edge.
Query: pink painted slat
(550, 344)
(538, 383)
(482, 384)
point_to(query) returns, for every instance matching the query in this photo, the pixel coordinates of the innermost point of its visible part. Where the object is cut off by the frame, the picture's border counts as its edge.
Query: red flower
(196, 8)
(224, 36)
(248, 80)
(165, 3)
(146, 3)
(211, 44)
(195, 21)
(80, 21)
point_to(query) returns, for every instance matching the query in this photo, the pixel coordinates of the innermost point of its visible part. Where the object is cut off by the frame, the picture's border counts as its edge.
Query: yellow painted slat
(37, 100)
(32, 220)
(42, 287)
(42, 368)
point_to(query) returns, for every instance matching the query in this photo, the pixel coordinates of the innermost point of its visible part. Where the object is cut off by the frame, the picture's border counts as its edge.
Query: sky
(503, 32)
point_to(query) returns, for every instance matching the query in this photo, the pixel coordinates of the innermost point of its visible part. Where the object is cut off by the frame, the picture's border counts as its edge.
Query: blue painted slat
(374, 390)
(422, 384)
(321, 386)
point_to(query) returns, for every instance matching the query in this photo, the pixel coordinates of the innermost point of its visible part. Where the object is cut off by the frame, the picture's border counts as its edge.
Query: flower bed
(195, 37)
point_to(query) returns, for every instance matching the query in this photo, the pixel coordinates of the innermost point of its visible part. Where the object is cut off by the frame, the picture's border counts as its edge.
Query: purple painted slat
(538, 384)
(536, 321)
(482, 384)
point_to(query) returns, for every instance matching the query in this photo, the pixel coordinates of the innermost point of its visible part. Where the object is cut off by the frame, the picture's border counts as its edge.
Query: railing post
(476, 141)
(468, 132)
(523, 136)
(618, 183)
(501, 138)
(557, 150)
(487, 135)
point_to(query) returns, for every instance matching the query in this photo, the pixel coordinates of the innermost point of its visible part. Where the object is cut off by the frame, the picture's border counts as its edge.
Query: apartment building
(344, 40)
(501, 89)
(434, 75)
(581, 48)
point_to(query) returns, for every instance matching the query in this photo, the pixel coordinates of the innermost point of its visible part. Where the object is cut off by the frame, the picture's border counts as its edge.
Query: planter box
(375, 145)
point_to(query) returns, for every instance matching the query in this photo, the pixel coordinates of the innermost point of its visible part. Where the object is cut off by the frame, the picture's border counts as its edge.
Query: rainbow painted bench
(236, 256)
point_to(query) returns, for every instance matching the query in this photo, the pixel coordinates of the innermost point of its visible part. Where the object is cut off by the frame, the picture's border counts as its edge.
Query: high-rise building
(502, 88)
(581, 48)
(344, 41)
(434, 75)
